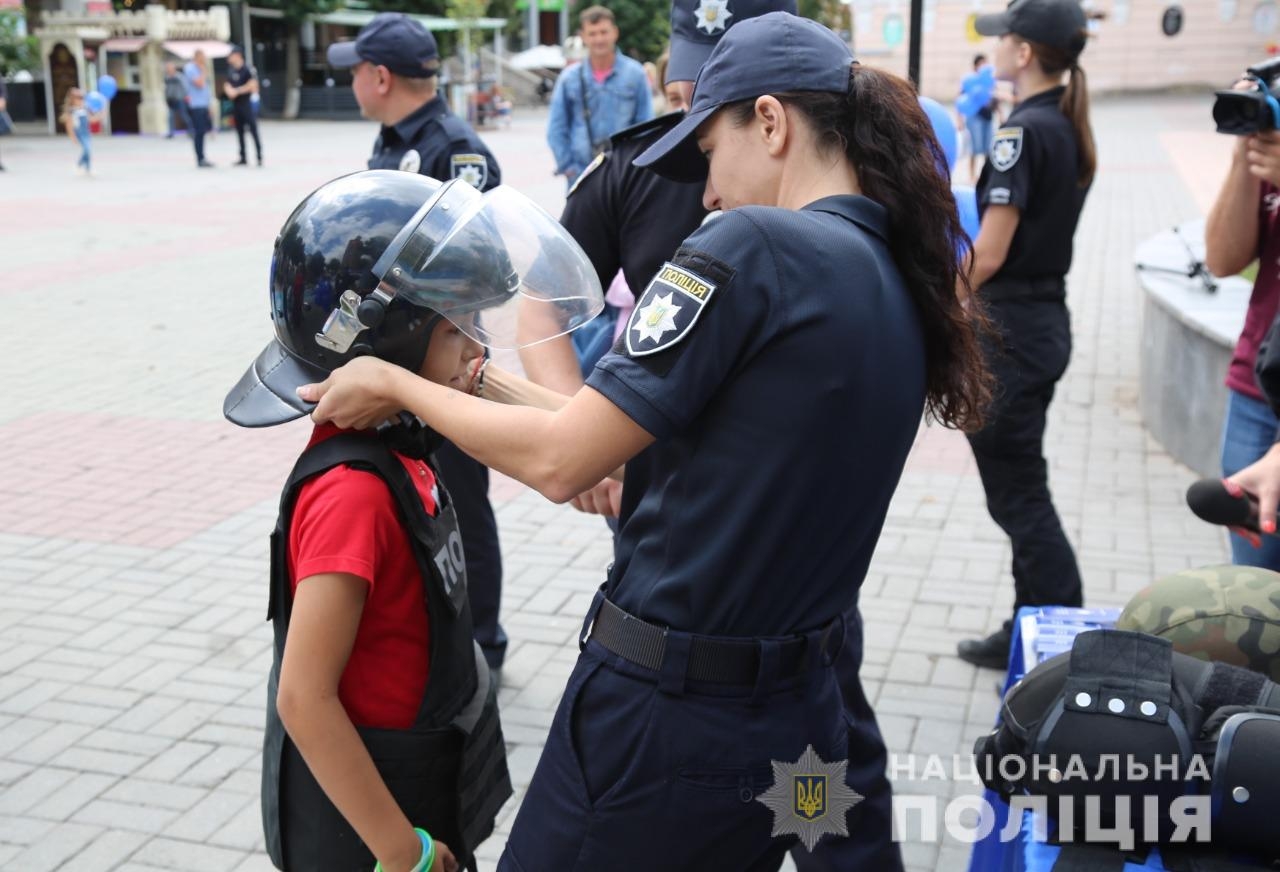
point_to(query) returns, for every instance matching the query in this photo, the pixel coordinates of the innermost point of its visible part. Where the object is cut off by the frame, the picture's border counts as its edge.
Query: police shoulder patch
(410, 161)
(595, 164)
(667, 310)
(1006, 148)
(471, 168)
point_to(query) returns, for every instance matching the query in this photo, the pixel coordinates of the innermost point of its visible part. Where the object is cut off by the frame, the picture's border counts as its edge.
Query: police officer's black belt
(718, 661)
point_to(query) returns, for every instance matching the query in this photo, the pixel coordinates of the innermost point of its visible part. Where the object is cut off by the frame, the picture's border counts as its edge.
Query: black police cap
(392, 40)
(1059, 24)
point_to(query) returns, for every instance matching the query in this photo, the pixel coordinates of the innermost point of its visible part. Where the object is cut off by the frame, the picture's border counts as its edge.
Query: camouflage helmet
(1225, 613)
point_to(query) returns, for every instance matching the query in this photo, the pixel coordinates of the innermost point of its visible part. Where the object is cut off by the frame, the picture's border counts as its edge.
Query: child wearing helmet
(382, 742)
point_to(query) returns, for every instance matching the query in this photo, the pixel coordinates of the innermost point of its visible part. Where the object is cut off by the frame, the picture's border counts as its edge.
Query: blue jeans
(1249, 431)
(83, 139)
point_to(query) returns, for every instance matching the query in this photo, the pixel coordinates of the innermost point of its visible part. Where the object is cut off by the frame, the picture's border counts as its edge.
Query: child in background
(76, 118)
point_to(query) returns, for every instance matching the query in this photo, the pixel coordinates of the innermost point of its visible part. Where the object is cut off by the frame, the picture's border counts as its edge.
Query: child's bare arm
(322, 630)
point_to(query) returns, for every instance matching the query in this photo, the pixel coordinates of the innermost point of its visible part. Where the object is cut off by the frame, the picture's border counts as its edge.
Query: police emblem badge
(670, 305)
(410, 162)
(471, 168)
(809, 798)
(713, 15)
(1006, 148)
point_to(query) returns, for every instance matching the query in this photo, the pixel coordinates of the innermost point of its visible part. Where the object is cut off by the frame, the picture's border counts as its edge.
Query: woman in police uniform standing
(774, 373)
(1030, 194)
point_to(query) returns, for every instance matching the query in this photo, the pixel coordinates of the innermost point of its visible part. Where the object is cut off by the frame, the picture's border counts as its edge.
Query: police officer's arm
(322, 630)
(560, 128)
(991, 248)
(1231, 230)
(559, 454)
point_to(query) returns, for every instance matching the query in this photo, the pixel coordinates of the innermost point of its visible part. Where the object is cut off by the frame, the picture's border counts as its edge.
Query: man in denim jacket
(596, 98)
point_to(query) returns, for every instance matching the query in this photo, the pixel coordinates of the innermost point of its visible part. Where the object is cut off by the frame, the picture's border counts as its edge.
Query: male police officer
(632, 219)
(394, 63)
(241, 85)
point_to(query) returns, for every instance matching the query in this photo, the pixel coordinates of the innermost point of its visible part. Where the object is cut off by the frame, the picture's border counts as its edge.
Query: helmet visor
(495, 264)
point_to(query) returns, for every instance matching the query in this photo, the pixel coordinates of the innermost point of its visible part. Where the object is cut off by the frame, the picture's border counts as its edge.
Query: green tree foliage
(644, 26)
(16, 52)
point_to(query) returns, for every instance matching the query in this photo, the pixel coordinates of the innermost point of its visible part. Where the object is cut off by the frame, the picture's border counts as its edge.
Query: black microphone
(1211, 502)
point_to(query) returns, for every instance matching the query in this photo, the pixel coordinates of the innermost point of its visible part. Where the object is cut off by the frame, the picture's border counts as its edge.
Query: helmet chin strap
(353, 316)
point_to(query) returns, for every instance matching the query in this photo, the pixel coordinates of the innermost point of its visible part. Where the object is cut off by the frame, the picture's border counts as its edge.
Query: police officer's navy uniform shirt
(629, 218)
(784, 390)
(435, 143)
(238, 78)
(1033, 164)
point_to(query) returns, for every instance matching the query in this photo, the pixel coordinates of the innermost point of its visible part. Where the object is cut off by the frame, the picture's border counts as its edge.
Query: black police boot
(991, 652)
(241, 163)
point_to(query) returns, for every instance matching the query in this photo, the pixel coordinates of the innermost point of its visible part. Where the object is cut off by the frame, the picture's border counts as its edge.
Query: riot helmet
(369, 263)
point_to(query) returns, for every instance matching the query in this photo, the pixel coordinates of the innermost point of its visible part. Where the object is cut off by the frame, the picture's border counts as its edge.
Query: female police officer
(774, 371)
(1030, 192)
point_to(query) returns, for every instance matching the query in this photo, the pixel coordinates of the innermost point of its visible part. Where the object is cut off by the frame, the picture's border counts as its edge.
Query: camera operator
(1242, 226)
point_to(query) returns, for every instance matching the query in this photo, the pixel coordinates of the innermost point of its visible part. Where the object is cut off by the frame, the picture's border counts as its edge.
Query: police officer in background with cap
(751, 378)
(1030, 194)
(394, 66)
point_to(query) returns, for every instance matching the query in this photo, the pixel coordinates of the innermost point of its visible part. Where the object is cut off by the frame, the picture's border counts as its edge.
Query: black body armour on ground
(1129, 699)
(448, 773)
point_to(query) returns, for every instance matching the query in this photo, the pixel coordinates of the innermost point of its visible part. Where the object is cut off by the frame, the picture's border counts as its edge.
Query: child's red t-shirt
(346, 521)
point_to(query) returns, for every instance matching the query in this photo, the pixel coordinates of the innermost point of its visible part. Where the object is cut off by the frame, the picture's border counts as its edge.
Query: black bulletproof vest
(447, 772)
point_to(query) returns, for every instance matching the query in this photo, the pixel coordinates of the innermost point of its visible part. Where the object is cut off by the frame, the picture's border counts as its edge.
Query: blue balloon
(95, 102)
(107, 86)
(943, 127)
(967, 206)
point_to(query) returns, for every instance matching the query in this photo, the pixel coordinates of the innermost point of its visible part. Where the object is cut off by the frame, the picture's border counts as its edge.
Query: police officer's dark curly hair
(881, 128)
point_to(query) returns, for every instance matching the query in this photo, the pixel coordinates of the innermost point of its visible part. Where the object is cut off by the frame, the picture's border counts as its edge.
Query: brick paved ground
(133, 520)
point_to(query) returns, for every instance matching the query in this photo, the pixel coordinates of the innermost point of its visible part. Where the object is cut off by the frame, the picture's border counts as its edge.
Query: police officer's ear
(382, 79)
(773, 124)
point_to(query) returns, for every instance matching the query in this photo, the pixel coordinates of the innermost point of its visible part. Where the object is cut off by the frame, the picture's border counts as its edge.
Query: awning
(186, 48)
(543, 5)
(11, 4)
(359, 18)
(124, 44)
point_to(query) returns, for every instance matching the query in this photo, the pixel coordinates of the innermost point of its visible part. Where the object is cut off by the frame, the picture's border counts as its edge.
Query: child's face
(451, 354)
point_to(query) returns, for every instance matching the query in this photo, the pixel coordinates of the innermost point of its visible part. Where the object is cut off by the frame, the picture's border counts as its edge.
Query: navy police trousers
(645, 770)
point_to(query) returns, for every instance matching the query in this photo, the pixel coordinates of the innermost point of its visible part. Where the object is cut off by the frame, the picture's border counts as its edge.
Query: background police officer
(1030, 194)
(394, 66)
(240, 86)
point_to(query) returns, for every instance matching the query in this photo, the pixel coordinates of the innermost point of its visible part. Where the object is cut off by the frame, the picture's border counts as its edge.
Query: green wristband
(428, 858)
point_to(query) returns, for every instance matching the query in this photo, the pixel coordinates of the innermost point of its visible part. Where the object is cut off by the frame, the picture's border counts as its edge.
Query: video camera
(1242, 112)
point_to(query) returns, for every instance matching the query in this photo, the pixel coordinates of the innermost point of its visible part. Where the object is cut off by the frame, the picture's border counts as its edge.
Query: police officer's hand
(1262, 154)
(603, 499)
(357, 395)
(1262, 479)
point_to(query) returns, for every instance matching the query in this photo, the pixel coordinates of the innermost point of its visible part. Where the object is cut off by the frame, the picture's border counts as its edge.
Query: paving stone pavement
(133, 519)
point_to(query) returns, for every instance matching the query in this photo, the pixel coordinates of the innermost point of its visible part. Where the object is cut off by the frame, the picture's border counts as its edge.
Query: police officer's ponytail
(879, 126)
(1074, 104)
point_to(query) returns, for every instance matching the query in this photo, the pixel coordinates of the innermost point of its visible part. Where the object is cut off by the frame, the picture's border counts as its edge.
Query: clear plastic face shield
(495, 264)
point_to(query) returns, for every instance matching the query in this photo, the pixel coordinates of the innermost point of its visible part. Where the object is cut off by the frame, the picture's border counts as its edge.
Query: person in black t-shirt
(1030, 194)
(241, 85)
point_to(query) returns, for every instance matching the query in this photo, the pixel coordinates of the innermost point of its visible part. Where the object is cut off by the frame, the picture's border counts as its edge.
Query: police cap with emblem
(697, 25)
(1059, 24)
(392, 40)
(772, 54)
